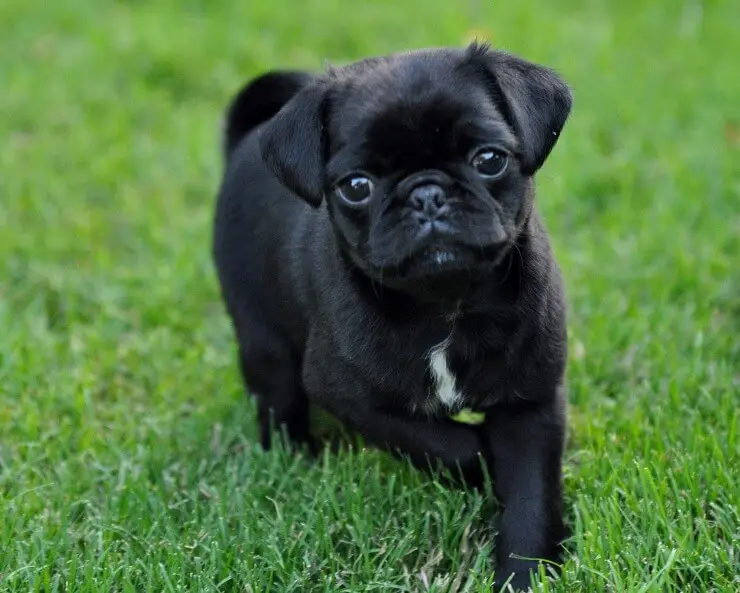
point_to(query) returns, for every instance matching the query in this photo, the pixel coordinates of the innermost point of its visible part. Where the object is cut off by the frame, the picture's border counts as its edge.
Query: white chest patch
(445, 387)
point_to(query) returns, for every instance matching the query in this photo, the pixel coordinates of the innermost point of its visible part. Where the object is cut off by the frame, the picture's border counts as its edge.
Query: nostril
(428, 197)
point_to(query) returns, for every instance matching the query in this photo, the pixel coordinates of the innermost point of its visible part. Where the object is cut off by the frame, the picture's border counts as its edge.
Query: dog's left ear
(293, 144)
(535, 101)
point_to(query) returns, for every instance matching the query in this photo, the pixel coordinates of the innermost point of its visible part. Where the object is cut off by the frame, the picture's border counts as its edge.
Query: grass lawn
(128, 459)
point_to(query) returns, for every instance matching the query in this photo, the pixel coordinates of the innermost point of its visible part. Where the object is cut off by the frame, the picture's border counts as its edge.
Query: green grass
(128, 459)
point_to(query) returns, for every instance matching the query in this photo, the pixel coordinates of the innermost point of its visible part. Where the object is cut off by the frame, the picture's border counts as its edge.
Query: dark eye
(355, 190)
(491, 163)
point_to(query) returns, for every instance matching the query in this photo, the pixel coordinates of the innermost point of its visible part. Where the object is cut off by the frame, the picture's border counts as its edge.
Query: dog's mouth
(442, 272)
(441, 262)
(438, 260)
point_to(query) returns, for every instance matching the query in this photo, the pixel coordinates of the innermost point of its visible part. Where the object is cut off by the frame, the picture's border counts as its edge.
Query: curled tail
(257, 101)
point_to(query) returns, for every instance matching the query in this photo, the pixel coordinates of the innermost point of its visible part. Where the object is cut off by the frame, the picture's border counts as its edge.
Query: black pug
(380, 255)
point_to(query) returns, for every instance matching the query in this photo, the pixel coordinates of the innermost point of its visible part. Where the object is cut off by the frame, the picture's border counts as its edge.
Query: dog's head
(425, 159)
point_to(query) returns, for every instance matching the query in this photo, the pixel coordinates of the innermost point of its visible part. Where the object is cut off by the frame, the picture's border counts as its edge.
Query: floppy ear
(534, 100)
(293, 144)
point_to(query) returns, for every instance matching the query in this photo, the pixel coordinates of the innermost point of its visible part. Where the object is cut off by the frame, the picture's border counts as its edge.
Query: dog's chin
(440, 273)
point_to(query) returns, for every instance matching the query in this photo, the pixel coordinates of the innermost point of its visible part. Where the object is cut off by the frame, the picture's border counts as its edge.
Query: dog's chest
(463, 371)
(445, 385)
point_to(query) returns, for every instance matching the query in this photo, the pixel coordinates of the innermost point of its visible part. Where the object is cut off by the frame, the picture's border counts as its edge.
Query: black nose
(428, 200)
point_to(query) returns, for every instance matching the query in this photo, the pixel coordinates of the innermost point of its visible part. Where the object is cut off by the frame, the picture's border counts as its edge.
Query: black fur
(341, 304)
(259, 101)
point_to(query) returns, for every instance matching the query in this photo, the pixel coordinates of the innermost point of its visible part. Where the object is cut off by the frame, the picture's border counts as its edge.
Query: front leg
(457, 447)
(525, 444)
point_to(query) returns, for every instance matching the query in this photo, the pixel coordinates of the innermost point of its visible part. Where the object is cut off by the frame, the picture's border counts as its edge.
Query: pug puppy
(380, 255)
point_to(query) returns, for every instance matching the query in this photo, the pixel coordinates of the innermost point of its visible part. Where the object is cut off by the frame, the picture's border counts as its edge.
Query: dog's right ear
(293, 144)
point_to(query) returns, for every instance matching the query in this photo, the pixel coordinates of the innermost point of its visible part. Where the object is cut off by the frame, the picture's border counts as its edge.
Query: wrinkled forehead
(394, 122)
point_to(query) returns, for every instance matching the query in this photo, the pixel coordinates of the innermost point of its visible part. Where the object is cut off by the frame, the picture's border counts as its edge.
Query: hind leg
(271, 372)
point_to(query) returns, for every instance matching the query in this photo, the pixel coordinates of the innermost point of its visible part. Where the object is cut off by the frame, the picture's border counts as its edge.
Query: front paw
(467, 461)
(514, 577)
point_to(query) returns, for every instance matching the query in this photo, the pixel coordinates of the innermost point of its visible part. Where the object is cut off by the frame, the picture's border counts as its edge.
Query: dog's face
(425, 159)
